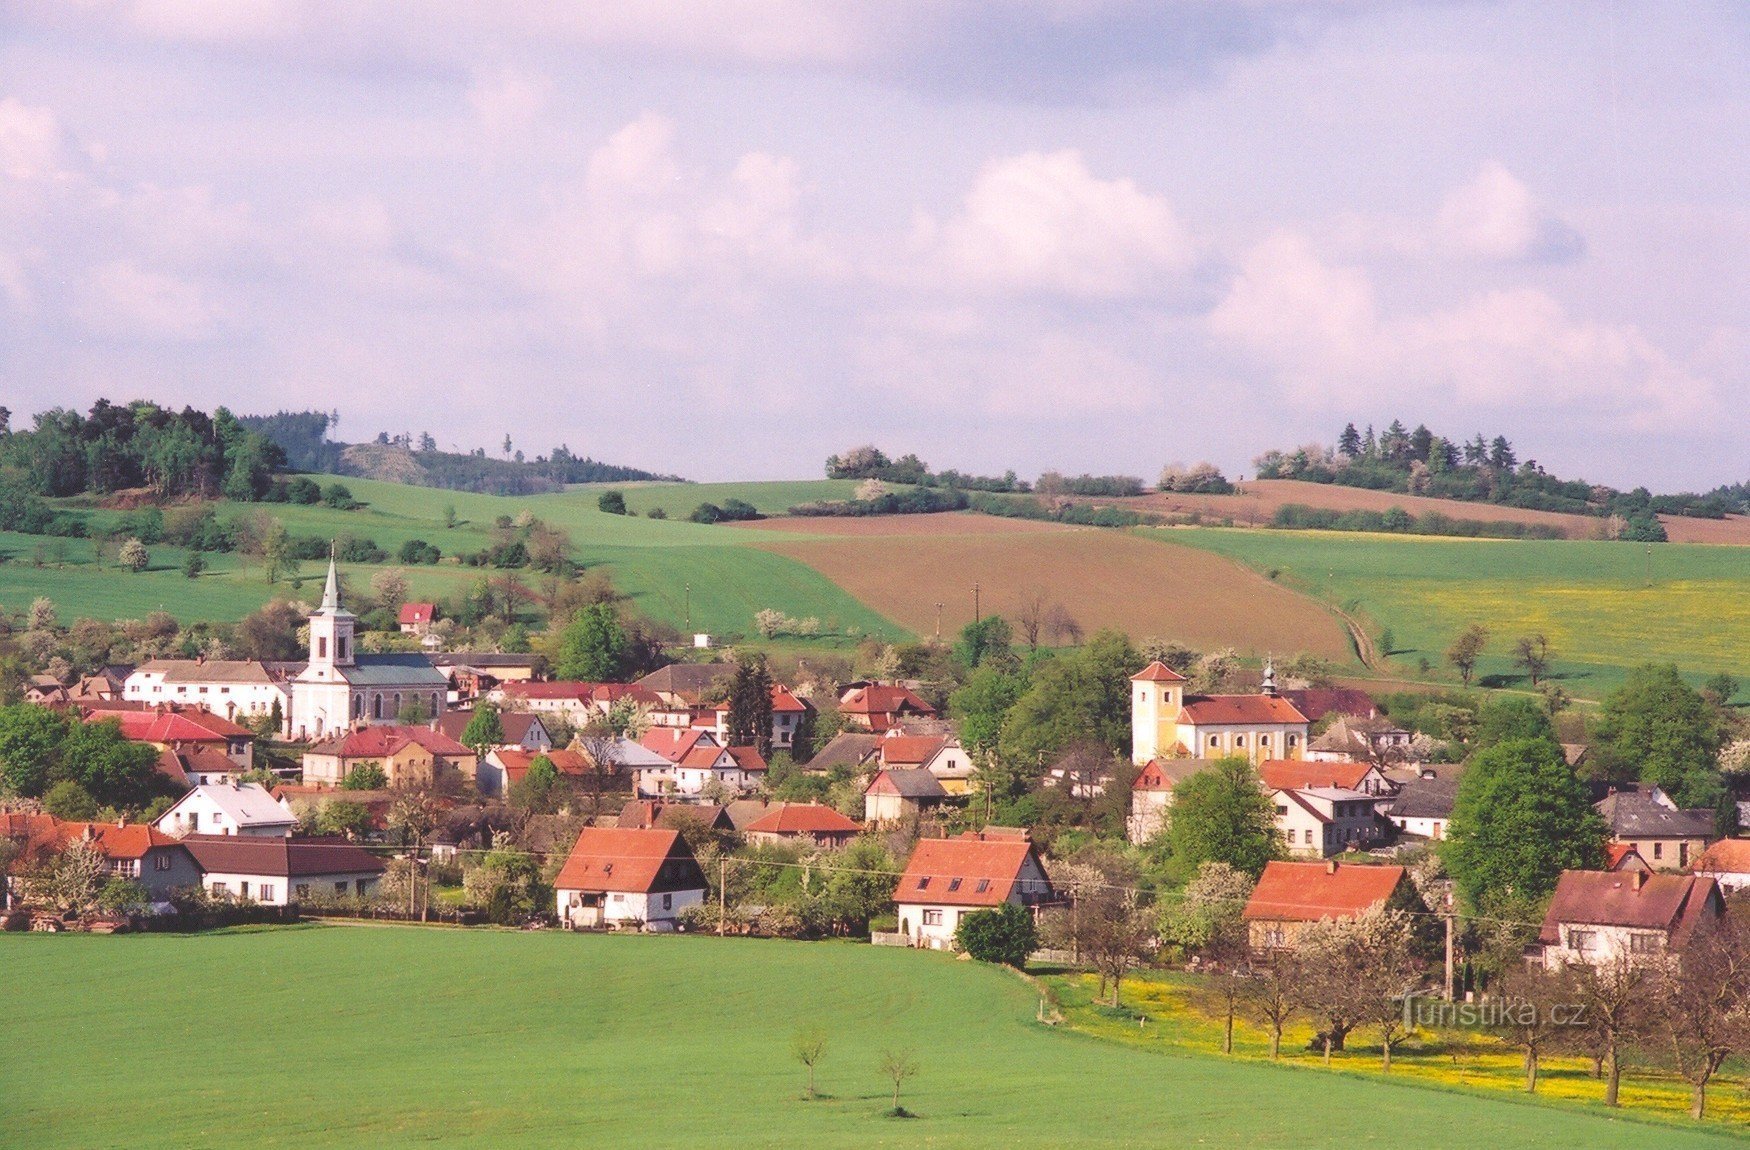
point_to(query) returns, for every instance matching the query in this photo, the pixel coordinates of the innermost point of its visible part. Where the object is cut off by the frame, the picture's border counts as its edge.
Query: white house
(1727, 862)
(277, 871)
(228, 809)
(1598, 917)
(1318, 821)
(233, 689)
(1167, 723)
(947, 879)
(620, 876)
(692, 761)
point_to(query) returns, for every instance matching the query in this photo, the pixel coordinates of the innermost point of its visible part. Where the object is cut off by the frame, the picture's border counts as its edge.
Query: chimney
(1330, 866)
(121, 821)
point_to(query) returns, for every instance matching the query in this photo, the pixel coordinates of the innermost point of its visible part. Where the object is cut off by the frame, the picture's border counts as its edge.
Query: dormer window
(924, 883)
(953, 884)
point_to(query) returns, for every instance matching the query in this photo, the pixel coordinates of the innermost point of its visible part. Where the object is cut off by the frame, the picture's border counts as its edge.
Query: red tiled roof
(877, 699)
(748, 758)
(113, 841)
(417, 612)
(376, 742)
(188, 726)
(1673, 903)
(1294, 774)
(801, 819)
(1157, 672)
(1309, 891)
(702, 756)
(674, 743)
(516, 763)
(555, 689)
(783, 700)
(1619, 855)
(627, 859)
(1728, 856)
(1165, 774)
(963, 872)
(1222, 710)
(909, 750)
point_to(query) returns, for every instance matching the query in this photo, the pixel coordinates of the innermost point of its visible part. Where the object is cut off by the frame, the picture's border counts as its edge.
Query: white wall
(622, 907)
(284, 888)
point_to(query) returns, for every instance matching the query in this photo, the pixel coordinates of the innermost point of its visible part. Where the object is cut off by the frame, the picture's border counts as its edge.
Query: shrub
(612, 503)
(1005, 935)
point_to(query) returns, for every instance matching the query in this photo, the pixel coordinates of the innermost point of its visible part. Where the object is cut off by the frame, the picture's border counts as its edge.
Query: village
(1291, 838)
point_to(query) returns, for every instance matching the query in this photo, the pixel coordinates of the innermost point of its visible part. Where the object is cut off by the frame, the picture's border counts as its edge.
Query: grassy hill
(387, 1037)
(1605, 607)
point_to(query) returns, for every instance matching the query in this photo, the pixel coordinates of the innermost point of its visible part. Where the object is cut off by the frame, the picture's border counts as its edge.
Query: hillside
(415, 1037)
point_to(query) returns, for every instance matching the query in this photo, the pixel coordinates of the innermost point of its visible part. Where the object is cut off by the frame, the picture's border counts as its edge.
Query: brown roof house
(1597, 917)
(622, 877)
(1667, 836)
(1290, 895)
(793, 822)
(948, 878)
(277, 871)
(896, 794)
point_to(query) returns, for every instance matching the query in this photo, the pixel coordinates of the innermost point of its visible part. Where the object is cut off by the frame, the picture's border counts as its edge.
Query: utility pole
(689, 587)
(723, 898)
(1448, 917)
(976, 616)
(938, 623)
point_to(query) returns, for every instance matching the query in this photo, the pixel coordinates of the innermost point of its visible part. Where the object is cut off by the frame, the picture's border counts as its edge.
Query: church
(340, 688)
(1166, 723)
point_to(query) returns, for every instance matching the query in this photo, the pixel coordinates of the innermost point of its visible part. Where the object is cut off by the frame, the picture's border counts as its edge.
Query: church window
(340, 646)
(376, 706)
(322, 647)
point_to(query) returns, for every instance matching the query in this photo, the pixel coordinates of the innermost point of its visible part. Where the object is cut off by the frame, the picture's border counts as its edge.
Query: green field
(384, 1037)
(652, 560)
(1605, 607)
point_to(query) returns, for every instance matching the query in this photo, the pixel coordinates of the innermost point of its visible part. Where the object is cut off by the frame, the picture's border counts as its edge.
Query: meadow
(387, 1037)
(1605, 607)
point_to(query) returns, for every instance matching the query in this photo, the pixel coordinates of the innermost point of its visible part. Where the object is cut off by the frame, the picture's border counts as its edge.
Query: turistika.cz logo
(1437, 1013)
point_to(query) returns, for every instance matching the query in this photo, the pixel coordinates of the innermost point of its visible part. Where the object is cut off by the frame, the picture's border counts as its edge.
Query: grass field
(1105, 578)
(1605, 607)
(1185, 1017)
(387, 1037)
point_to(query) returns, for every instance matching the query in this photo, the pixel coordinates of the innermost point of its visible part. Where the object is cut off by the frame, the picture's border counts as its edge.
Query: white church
(340, 688)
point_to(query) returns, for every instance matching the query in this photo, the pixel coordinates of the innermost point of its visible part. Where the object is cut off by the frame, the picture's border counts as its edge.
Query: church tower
(331, 629)
(1156, 697)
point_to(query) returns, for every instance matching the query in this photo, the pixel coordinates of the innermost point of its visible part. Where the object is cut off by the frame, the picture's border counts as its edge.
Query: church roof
(393, 671)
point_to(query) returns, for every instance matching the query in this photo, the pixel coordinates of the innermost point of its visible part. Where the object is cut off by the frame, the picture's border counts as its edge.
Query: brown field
(941, 523)
(1733, 530)
(1104, 578)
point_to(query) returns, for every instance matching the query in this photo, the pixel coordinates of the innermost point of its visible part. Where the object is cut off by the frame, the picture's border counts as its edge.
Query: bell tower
(331, 629)
(1156, 697)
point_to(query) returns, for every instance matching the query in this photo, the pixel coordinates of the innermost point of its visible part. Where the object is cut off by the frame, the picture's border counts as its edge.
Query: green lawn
(384, 1037)
(1605, 607)
(652, 560)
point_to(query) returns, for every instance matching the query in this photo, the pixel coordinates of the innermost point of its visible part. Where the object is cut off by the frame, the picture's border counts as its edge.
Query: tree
(1386, 974)
(989, 639)
(536, 791)
(612, 503)
(193, 564)
(506, 884)
(1530, 1000)
(1077, 698)
(1005, 935)
(983, 703)
(68, 800)
(365, 777)
(1658, 729)
(276, 551)
(1349, 442)
(592, 647)
(1520, 818)
(809, 1047)
(1222, 814)
(1467, 649)
(1614, 996)
(30, 742)
(390, 588)
(349, 819)
(134, 556)
(1273, 995)
(1507, 717)
(1703, 1005)
(750, 704)
(484, 730)
(1105, 923)
(897, 1066)
(1211, 903)
(1533, 653)
(72, 879)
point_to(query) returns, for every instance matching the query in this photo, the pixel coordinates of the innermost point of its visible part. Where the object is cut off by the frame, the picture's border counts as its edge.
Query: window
(1214, 742)
(932, 918)
(1239, 740)
(267, 892)
(339, 888)
(1281, 810)
(953, 884)
(218, 890)
(303, 890)
(1581, 940)
(924, 883)
(322, 647)
(668, 902)
(340, 646)
(376, 706)
(1643, 944)
(1263, 740)
(983, 885)
(1294, 740)
(243, 889)
(360, 885)
(162, 862)
(1658, 850)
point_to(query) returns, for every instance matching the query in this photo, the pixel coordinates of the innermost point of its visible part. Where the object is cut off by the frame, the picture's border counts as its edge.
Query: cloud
(123, 299)
(30, 141)
(1318, 333)
(506, 100)
(1495, 217)
(1042, 222)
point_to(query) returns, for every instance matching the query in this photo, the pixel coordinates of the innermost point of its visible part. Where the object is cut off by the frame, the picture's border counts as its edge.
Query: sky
(725, 238)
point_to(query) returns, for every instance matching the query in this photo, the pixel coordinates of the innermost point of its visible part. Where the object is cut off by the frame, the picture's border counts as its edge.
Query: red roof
(516, 763)
(967, 871)
(185, 726)
(1157, 672)
(1223, 710)
(1294, 774)
(802, 819)
(631, 860)
(1309, 891)
(417, 612)
(878, 700)
(555, 689)
(1728, 856)
(1621, 856)
(909, 750)
(748, 758)
(1673, 903)
(113, 840)
(377, 742)
(675, 743)
(1317, 702)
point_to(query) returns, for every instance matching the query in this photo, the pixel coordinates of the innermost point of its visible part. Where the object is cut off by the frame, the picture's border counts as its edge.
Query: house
(895, 794)
(794, 822)
(228, 809)
(1296, 774)
(135, 851)
(683, 686)
(407, 755)
(1727, 862)
(1290, 895)
(941, 755)
(1597, 917)
(198, 766)
(1423, 806)
(175, 727)
(232, 688)
(625, 877)
(693, 761)
(46, 691)
(505, 768)
(279, 871)
(642, 814)
(1622, 857)
(416, 618)
(1666, 836)
(1351, 739)
(788, 713)
(1167, 723)
(1321, 821)
(471, 674)
(338, 687)
(946, 879)
(1152, 794)
(878, 707)
(847, 749)
(523, 730)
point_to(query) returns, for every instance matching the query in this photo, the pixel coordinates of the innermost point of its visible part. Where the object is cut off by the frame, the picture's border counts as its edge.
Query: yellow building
(1167, 723)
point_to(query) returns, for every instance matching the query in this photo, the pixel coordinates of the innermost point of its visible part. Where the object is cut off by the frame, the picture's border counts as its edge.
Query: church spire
(331, 592)
(1269, 675)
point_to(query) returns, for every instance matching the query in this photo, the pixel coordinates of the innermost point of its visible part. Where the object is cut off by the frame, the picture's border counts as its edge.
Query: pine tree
(1349, 443)
(750, 704)
(1368, 444)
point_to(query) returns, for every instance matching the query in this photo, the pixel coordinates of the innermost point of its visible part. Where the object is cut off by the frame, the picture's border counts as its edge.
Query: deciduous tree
(1467, 649)
(1520, 818)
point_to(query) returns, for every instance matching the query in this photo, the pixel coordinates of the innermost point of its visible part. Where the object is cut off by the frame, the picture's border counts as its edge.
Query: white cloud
(123, 299)
(1042, 222)
(1495, 217)
(30, 141)
(1319, 332)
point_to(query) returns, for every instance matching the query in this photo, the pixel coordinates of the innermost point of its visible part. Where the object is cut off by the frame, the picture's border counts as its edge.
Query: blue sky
(728, 237)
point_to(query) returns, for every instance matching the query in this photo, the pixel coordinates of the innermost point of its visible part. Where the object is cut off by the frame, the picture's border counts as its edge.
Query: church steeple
(331, 627)
(331, 592)
(1269, 675)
